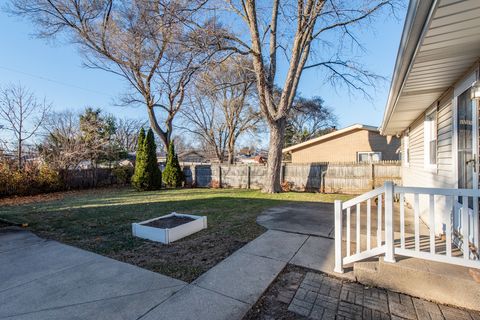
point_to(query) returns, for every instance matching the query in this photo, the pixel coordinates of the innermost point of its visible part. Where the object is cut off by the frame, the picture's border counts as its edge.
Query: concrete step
(439, 282)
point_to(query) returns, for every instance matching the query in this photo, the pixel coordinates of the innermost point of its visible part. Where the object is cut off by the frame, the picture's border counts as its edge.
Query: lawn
(100, 221)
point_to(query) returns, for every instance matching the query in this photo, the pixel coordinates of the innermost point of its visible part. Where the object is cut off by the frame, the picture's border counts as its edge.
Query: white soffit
(450, 47)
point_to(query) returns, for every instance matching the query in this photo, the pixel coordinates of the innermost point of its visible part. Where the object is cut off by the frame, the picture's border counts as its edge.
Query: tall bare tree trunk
(231, 149)
(274, 161)
(165, 136)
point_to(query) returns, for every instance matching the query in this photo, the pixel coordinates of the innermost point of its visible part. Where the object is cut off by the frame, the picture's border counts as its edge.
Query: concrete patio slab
(311, 218)
(275, 245)
(195, 303)
(127, 307)
(317, 219)
(319, 254)
(241, 276)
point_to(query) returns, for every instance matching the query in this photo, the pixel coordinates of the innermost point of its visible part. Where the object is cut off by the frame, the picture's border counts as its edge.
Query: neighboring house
(253, 160)
(357, 143)
(433, 100)
(193, 156)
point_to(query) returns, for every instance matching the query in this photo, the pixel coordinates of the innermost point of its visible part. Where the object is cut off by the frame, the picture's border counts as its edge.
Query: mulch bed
(274, 302)
(186, 259)
(169, 223)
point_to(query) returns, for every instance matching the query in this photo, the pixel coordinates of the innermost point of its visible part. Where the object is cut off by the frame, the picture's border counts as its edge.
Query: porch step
(439, 282)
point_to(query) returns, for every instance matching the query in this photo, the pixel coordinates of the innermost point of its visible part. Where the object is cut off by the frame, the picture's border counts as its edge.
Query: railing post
(389, 248)
(338, 237)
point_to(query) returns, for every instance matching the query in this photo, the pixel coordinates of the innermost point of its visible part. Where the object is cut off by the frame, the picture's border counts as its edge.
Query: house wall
(444, 175)
(344, 148)
(416, 173)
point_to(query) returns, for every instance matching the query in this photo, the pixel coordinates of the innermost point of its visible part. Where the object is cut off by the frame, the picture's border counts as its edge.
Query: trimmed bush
(139, 175)
(172, 175)
(147, 175)
(154, 173)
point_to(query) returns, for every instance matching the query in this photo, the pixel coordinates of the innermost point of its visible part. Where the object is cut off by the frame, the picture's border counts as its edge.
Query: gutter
(419, 16)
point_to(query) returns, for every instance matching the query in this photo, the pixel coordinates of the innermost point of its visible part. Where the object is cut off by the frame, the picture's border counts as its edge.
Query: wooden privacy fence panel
(304, 176)
(88, 178)
(320, 177)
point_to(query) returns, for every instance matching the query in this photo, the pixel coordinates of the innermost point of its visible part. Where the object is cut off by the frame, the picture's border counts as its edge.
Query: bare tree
(205, 122)
(182, 145)
(137, 40)
(126, 133)
(308, 119)
(62, 147)
(3, 140)
(300, 31)
(22, 114)
(228, 89)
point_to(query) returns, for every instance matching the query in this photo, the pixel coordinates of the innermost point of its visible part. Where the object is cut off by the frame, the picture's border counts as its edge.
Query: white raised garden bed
(167, 235)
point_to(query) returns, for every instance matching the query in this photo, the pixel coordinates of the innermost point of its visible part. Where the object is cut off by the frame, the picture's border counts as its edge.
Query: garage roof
(330, 135)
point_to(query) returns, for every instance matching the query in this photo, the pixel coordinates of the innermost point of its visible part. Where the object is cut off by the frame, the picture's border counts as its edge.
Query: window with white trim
(430, 136)
(369, 156)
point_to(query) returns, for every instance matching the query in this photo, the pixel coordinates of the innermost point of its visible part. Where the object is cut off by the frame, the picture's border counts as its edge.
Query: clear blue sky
(54, 70)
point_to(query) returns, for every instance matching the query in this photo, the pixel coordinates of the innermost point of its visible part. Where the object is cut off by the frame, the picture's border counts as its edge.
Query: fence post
(372, 173)
(194, 176)
(282, 173)
(389, 250)
(248, 177)
(338, 237)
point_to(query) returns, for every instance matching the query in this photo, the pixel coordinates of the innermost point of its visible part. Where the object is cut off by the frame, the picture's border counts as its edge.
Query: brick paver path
(323, 297)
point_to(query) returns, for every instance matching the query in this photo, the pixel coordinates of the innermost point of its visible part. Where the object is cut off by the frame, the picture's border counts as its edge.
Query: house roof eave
(418, 17)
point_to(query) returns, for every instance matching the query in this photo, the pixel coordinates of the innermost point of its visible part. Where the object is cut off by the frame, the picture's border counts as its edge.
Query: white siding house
(433, 107)
(431, 103)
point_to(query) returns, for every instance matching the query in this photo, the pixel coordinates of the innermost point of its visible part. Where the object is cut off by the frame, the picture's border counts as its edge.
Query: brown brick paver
(321, 297)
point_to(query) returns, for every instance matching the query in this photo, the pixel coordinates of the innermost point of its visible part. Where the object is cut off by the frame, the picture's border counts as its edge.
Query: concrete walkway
(41, 279)
(231, 288)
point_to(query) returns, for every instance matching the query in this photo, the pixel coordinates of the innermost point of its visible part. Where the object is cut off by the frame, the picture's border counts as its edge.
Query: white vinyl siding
(444, 142)
(417, 175)
(416, 145)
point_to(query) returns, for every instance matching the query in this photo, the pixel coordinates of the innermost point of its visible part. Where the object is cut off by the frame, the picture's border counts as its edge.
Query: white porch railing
(458, 243)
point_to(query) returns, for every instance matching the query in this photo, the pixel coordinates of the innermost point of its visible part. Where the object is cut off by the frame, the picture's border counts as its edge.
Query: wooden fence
(351, 178)
(100, 177)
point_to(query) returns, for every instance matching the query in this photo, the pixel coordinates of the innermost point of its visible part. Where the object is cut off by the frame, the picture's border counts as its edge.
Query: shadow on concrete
(311, 218)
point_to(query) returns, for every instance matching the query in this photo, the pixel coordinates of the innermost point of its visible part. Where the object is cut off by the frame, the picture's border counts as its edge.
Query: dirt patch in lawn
(184, 260)
(274, 302)
(169, 223)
